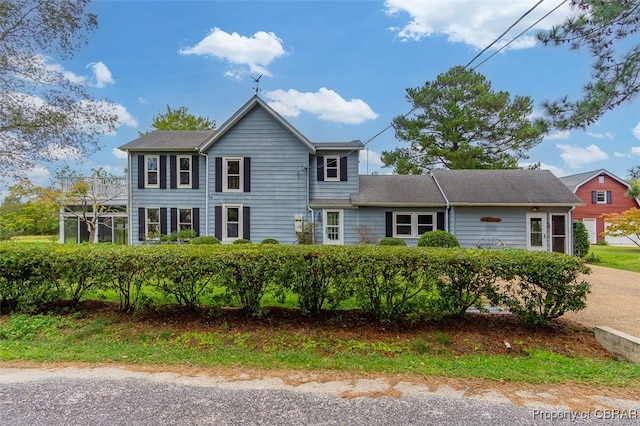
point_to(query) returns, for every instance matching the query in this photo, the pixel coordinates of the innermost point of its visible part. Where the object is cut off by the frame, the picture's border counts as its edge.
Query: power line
(480, 54)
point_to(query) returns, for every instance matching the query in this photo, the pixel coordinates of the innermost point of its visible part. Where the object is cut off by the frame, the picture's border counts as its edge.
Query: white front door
(333, 227)
(590, 224)
(536, 231)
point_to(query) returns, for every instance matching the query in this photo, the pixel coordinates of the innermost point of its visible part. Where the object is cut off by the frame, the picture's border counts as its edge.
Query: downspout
(446, 212)
(313, 214)
(206, 191)
(130, 200)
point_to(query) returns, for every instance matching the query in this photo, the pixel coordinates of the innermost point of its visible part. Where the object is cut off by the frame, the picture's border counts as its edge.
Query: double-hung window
(184, 219)
(232, 174)
(184, 171)
(231, 222)
(412, 225)
(152, 171)
(601, 197)
(331, 168)
(153, 224)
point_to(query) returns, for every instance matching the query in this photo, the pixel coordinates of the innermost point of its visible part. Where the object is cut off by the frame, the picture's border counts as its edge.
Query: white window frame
(339, 227)
(148, 222)
(604, 197)
(542, 218)
(180, 171)
(225, 222)
(225, 174)
(413, 224)
(328, 158)
(181, 226)
(147, 171)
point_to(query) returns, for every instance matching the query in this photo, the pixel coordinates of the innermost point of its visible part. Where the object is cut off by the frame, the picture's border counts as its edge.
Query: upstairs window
(232, 174)
(601, 197)
(184, 171)
(331, 168)
(152, 171)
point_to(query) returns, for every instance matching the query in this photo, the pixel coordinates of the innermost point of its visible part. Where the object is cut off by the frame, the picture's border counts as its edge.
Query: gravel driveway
(613, 300)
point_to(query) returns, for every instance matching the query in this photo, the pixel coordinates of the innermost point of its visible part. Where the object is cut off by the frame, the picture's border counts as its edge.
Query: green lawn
(625, 258)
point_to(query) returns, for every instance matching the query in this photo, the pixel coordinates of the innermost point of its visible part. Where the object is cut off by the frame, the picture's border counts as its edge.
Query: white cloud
(39, 175)
(635, 150)
(604, 135)
(143, 101)
(576, 157)
(562, 134)
(636, 131)
(101, 73)
(325, 103)
(119, 153)
(621, 155)
(472, 22)
(557, 171)
(120, 111)
(257, 51)
(370, 157)
(58, 152)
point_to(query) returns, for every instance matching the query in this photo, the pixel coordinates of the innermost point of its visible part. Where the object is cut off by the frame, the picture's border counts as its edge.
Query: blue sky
(337, 70)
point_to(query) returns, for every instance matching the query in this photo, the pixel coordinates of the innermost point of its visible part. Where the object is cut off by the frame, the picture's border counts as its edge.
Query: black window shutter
(320, 163)
(195, 217)
(343, 169)
(141, 222)
(218, 222)
(141, 171)
(246, 223)
(247, 174)
(174, 219)
(440, 221)
(163, 221)
(173, 166)
(195, 172)
(594, 197)
(218, 174)
(608, 197)
(388, 229)
(163, 171)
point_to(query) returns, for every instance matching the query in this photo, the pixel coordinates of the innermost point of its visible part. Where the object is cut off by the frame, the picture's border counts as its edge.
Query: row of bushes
(388, 282)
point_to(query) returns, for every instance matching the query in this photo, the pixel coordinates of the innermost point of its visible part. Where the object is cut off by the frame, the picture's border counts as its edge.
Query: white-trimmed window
(231, 222)
(412, 225)
(185, 220)
(152, 171)
(152, 224)
(184, 171)
(232, 174)
(331, 168)
(601, 197)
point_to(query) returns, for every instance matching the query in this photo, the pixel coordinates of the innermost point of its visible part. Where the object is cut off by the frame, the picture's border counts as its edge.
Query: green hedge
(387, 282)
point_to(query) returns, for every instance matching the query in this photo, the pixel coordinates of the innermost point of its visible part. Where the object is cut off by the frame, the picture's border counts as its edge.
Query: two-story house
(601, 192)
(258, 177)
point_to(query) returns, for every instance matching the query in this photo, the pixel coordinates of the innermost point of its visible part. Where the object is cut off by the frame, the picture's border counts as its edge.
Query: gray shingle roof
(504, 187)
(169, 140)
(574, 181)
(398, 190)
(340, 145)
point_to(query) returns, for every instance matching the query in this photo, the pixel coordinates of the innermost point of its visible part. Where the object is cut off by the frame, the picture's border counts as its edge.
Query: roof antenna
(257, 82)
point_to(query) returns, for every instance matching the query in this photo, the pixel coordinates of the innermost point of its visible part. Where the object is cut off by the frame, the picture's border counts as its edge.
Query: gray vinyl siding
(334, 189)
(466, 225)
(279, 173)
(165, 198)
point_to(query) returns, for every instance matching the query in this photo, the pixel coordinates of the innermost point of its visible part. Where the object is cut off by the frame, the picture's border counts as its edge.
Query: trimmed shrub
(205, 239)
(269, 241)
(241, 241)
(392, 241)
(438, 238)
(580, 239)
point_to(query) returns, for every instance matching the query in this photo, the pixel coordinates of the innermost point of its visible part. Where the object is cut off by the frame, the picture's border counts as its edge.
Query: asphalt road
(107, 396)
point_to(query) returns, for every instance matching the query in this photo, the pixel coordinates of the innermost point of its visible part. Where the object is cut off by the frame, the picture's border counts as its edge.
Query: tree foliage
(609, 30)
(24, 213)
(181, 119)
(625, 224)
(42, 109)
(459, 122)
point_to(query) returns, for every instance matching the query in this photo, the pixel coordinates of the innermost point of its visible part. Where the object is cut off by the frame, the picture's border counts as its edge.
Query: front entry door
(333, 234)
(559, 233)
(536, 231)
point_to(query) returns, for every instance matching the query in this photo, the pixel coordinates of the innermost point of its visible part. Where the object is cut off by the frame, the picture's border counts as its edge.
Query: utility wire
(478, 55)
